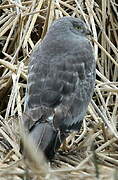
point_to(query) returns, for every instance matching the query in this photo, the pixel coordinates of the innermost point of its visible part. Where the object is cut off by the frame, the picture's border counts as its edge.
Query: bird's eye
(77, 27)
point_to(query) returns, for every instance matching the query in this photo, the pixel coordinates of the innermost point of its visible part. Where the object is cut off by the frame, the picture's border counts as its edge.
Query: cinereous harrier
(60, 85)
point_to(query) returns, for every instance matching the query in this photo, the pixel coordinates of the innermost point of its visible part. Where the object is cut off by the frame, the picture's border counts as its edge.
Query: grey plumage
(60, 85)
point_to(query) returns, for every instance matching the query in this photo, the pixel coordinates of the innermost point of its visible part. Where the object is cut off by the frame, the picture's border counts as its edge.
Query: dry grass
(93, 152)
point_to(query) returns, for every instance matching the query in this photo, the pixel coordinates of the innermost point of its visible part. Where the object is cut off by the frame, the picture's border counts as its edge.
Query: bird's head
(75, 25)
(79, 27)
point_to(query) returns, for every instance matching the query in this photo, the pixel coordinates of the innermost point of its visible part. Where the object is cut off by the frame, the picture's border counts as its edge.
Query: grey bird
(61, 81)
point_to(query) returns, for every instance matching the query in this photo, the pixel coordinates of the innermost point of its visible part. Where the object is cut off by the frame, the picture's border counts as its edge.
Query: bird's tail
(46, 138)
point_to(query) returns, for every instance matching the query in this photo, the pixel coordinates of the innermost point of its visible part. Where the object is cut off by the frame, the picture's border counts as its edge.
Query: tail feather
(46, 138)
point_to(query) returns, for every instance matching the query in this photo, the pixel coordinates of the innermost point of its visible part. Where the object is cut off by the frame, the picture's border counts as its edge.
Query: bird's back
(62, 80)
